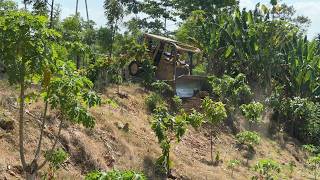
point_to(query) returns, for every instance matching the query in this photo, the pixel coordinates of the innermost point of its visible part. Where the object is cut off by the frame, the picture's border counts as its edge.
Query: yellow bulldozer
(174, 63)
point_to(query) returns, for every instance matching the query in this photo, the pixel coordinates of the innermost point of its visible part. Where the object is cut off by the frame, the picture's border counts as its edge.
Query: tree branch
(36, 157)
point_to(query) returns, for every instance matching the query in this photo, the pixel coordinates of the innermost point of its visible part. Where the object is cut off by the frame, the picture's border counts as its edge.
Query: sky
(310, 8)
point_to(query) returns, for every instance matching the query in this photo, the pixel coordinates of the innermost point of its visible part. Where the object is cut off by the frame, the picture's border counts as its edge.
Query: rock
(7, 125)
(126, 127)
(122, 126)
(119, 125)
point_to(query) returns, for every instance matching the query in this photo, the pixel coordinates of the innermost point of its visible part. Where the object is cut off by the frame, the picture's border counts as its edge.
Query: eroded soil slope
(123, 139)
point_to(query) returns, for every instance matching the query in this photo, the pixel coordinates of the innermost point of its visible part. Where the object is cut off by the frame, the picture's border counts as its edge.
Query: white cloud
(312, 10)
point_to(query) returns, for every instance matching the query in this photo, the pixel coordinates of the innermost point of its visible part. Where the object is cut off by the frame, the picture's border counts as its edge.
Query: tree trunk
(51, 14)
(211, 144)
(21, 114)
(31, 176)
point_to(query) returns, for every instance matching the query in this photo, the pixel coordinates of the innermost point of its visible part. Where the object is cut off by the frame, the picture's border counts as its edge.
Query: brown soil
(108, 146)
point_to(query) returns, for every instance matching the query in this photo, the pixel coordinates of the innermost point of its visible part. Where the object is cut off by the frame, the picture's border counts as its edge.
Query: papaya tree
(215, 113)
(31, 56)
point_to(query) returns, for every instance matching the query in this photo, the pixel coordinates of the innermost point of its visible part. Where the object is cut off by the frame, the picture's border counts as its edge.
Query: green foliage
(56, 158)
(115, 174)
(196, 118)
(153, 101)
(168, 128)
(232, 164)
(248, 138)
(215, 112)
(267, 169)
(252, 112)
(314, 164)
(312, 149)
(161, 87)
(231, 91)
(148, 73)
(300, 117)
(176, 103)
(71, 94)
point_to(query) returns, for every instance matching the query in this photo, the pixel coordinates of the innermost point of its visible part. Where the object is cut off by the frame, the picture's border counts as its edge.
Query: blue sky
(310, 8)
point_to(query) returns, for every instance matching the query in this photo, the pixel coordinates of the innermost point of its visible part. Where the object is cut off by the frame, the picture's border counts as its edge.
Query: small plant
(215, 113)
(161, 87)
(314, 164)
(168, 128)
(55, 158)
(267, 169)
(196, 118)
(153, 101)
(176, 103)
(232, 164)
(249, 139)
(115, 174)
(311, 149)
(252, 112)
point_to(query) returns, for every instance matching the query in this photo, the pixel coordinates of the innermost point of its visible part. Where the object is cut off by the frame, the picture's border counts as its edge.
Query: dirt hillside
(123, 139)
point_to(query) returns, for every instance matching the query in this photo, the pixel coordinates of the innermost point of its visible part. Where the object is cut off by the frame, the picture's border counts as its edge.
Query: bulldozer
(174, 62)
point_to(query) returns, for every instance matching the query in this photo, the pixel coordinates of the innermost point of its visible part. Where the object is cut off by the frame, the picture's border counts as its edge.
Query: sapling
(168, 128)
(55, 158)
(267, 169)
(232, 164)
(249, 139)
(215, 113)
(252, 112)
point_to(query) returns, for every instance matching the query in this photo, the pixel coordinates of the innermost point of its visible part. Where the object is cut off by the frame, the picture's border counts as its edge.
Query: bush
(115, 174)
(232, 164)
(153, 101)
(252, 112)
(248, 138)
(161, 87)
(231, 91)
(300, 117)
(176, 103)
(196, 118)
(56, 158)
(267, 169)
(314, 164)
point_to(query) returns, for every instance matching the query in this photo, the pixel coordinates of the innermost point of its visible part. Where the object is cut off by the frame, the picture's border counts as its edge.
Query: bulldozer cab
(174, 63)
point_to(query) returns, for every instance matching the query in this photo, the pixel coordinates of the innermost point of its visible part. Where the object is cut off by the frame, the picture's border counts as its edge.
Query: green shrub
(176, 103)
(232, 164)
(196, 118)
(153, 101)
(115, 174)
(248, 138)
(252, 112)
(314, 164)
(267, 169)
(56, 158)
(300, 117)
(231, 91)
(161, 87)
